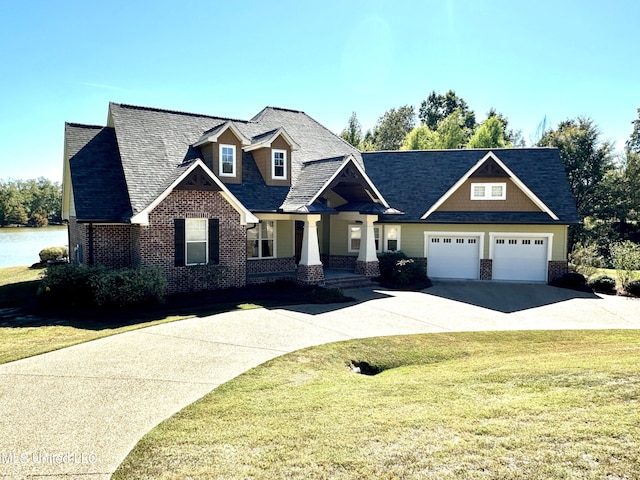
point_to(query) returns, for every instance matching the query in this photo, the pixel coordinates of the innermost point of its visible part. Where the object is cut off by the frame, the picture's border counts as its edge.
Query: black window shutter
(214, 240)
(179, 230)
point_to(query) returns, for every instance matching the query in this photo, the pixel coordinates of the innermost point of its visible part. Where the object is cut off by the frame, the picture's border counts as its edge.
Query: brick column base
(557, 268)
(368, 269)
(486, 269)
(310, 274)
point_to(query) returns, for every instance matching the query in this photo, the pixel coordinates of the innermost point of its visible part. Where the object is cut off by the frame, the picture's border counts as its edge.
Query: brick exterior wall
(310, 274)
(486, 269)
(556, 269)
(156, 242)
(111, 245)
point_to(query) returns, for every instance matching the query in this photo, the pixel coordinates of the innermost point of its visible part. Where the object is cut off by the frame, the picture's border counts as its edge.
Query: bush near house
(603, 284)
(633, 288)
(399, 271)
(76, 286)
(571, 280)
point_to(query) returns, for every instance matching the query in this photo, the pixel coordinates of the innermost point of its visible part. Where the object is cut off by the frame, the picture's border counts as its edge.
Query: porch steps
(345, 282)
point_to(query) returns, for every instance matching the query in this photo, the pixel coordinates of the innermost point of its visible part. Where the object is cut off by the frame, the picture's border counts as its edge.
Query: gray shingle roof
(99, 188)
(153, 143)
(118, 171)
(413, 181)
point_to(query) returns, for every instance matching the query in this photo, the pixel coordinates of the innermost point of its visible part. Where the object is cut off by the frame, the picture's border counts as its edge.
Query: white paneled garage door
(453, 256)
(520, 258)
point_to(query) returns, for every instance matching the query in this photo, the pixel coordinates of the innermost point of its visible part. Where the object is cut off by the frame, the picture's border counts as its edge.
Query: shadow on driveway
(502, 296)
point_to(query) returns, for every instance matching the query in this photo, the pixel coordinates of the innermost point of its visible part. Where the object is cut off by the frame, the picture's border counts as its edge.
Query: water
(20, 246)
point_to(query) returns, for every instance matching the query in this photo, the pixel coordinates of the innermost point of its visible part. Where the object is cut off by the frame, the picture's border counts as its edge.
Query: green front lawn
(529, 405)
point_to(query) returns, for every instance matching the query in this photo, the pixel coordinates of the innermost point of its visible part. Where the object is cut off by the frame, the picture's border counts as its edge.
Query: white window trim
(273, 164)
(385, 238)
(494, 235)
(233, 166)
(487, 190)
(477, 235)
(187, 242)
(377, 228)
(275, 238)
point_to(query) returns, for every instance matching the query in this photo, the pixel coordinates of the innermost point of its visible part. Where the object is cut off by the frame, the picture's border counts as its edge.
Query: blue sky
(65, 60)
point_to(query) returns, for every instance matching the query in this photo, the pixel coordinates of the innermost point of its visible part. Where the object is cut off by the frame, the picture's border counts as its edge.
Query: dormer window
(227, 160)
(489, 191)
(279, 164)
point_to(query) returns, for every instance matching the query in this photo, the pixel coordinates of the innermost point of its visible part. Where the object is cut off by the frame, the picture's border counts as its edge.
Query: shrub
(38, 220)
(574, 281)
(586, 259)
(603, 284)
(398, 270)
(68, 286)
(81, 286)
(53, 253)
(626, 261)
(633, 288)
(125, 287)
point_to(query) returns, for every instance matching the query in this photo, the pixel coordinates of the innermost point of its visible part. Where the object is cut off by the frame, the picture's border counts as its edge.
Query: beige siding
(413, 236)
(285, 238)
(262, 157)
(516, 201)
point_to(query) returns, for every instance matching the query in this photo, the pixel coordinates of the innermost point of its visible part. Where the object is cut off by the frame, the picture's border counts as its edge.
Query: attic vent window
(488, 191)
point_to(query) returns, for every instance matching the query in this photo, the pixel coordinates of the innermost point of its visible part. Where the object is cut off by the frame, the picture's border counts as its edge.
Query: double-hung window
(196, 241)
(391, 238)
(279, 164)
(261, 240)
(227, 160)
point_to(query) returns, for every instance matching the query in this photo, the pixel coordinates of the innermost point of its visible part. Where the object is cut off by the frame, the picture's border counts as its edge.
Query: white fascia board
(246, 216)
(350, 158)
(539, 203)
(266, 142)
(225, 126)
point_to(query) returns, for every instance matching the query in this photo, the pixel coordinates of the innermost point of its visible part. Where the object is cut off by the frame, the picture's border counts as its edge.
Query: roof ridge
(178, 112)
(84, 125)
(282, 109)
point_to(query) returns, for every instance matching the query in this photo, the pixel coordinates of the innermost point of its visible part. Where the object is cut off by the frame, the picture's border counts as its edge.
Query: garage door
(520, 258)
(453, 256)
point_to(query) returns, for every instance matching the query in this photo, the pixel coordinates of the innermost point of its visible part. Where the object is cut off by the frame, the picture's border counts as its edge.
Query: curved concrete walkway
(77, 412)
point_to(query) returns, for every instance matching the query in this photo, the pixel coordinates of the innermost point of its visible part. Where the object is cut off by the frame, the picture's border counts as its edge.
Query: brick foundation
(369, 269)
(310, 274)
(271, 265)
(340, 262)
(486, 269)
(556, 269)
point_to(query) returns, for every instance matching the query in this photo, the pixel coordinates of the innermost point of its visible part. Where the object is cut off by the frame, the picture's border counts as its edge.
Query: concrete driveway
(79, 411)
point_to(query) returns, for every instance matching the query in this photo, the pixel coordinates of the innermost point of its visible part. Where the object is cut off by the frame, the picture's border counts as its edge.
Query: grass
(26, 330)
(534, 405)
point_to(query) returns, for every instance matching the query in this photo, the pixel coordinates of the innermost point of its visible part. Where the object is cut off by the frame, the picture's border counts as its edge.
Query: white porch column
(310, 254)
(310, 269)
(367, 240)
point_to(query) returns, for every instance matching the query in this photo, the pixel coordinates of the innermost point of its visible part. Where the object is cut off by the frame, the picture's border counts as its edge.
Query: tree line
(605, 184)
(34, 203)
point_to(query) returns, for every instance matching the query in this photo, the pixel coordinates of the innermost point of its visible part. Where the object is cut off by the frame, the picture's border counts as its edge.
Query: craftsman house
(217, 202)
